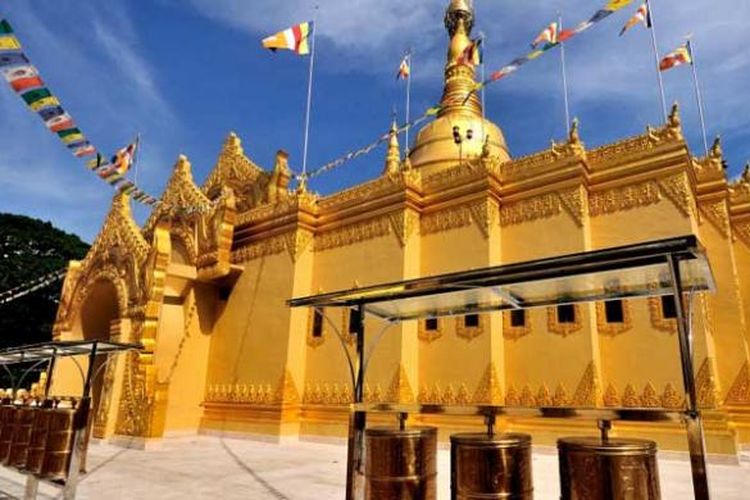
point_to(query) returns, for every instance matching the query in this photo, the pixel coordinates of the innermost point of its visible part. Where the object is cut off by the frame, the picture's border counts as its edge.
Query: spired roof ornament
(435, 148)
(233, 169)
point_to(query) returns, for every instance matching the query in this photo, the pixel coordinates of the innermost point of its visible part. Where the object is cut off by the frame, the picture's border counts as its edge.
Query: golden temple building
(205, 291)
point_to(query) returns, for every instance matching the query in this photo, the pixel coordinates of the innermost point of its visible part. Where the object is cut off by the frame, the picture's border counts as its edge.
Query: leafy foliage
(30, 248)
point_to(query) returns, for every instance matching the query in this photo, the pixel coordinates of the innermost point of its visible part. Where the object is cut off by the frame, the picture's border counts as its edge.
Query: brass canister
(19, 446)
(38, 442)
(8, 415)
(616, 469)
(59, 444)
(401, 464)
(485, 467)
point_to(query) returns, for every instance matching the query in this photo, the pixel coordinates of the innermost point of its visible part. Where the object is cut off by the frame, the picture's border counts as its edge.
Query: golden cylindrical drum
(38, 442)
(59, 443)
(485, 467)
(618, 469)
(8, 415)
(19, 446)
(401, 464)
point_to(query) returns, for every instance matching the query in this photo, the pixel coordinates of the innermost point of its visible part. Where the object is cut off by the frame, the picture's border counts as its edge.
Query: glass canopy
(47, 350)
(624, 272)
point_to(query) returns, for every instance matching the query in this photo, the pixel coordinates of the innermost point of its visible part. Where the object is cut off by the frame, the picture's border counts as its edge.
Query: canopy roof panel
(631, 271)
(48, 350)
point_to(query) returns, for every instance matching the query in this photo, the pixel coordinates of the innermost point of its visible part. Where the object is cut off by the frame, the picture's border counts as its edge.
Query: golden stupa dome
(436, 145)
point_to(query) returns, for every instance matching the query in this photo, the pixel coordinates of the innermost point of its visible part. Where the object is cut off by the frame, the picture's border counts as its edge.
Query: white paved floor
(205, 467)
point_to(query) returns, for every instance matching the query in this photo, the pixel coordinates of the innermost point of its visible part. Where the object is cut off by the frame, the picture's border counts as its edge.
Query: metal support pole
(693, 424)
(357, 419)
(32, 487)
(50, 371)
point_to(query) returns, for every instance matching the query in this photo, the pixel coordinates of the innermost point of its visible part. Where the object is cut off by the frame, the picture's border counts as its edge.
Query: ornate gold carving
(611, 398)
(527, 399)
(613, 329)
(564, 329)
(543, 397)
(630, 398)
(739, 393)
(538, 207)
(512, 398)
(649, 398)
(297, 242)
(741, 230)
(671, 399)
(404, 224)
(400, 389)
(489, 390)
(471, 332)
(587, 391)
(485, 215)
(511, 332)
(711, 168)
(625, 198)
(445, 220)
(374, 395)
(327, 394)
(573, 201)
(430, 335)
(677, 189)
(354, 233)
(705, 385)
(561, 397)
(717, 214)
(286, 390)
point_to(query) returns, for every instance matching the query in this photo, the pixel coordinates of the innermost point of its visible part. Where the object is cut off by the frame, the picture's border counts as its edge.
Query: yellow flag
(47, 102)
(9, 43)
(615, 5)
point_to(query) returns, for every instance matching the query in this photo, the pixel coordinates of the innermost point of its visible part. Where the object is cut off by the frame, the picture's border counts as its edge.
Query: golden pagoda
(205, 291)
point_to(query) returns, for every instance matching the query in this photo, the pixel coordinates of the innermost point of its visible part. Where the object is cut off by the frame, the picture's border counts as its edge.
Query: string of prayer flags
(25, 80)
(294, 39)
(641, 16)
(600, 15)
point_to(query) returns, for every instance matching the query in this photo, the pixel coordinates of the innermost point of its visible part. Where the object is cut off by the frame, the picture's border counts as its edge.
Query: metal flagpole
(652, 27)
(309, 91)
(408, 98)
(564, 75)
(698, 95)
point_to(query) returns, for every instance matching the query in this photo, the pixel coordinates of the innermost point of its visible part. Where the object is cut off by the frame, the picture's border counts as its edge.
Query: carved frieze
(717, 214)
(624, 198)
(488, 391)
(669, 398)
(400, 390)
(446, 220)
(739, 392)
(284, 392)
(354, 233)
(538, 207)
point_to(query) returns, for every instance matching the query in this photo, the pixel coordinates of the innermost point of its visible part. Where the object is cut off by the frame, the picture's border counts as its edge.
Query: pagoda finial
(574, 137)
(458, 93)
(393, 156)
(233, 144)
(674, 120)
(716, 150)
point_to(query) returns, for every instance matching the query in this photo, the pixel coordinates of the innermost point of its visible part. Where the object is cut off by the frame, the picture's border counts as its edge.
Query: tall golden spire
(460, 132)
(459, 78)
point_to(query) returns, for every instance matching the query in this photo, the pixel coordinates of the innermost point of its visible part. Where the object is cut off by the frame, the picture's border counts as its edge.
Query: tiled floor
(221, 468)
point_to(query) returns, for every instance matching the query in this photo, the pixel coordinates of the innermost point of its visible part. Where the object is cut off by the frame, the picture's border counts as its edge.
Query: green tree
(30, 248)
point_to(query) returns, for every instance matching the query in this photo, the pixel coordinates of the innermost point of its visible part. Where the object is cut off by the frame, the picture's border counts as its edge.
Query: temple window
(317, 326)
(353, 322)
(431, 329)
(471, 320)
(566, 313)
(431, 324)
(614, 311)
(668, 309)
(518, 318)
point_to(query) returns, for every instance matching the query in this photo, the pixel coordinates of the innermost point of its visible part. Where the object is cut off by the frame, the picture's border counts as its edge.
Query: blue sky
(183, 73)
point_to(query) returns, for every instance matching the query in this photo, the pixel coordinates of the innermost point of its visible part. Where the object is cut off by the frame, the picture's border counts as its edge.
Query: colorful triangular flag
(294, 39)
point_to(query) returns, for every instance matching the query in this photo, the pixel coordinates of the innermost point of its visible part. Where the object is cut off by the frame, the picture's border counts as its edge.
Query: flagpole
(408, 99)
(309, 91)
(564, 75)
(698, 96)
(652, 28)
